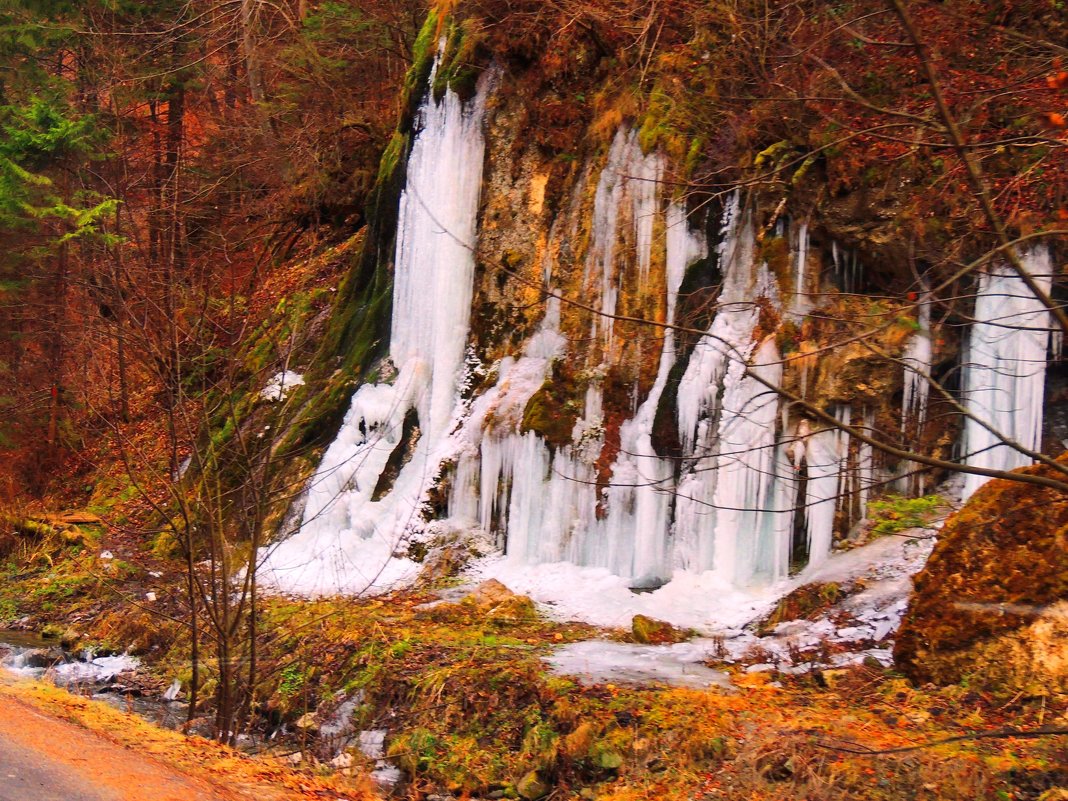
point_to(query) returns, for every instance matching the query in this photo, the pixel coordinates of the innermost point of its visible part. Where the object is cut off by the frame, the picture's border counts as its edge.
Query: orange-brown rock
(991, 605)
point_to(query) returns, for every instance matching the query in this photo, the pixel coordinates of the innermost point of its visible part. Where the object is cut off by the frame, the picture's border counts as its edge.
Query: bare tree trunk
(194, 624)
(248, 41)
(155, 211)
(55, 345)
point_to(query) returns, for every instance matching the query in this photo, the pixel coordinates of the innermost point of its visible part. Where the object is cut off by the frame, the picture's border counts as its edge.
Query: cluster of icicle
(728, 506)
(751, 484)
(1004, 369)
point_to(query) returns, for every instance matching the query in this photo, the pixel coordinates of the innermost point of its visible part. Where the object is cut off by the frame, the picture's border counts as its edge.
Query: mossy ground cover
(471, 709)
(51, 571)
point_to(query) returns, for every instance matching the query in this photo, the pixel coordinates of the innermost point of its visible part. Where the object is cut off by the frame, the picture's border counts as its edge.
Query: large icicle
(825, 459)
(629, 186)
(802, 303)
(746, 469)
(354, 520)
(917, 359)
(1005, 369)
(728, 516)
(640, 502)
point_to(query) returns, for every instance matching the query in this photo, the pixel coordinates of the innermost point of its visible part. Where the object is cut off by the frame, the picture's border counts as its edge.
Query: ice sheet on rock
(89, 670)
(372, 743)
(885, 565)
(339, 726)
(603, 661)
(386, 776)
(721, 613)
(701, 601)
(96, 670)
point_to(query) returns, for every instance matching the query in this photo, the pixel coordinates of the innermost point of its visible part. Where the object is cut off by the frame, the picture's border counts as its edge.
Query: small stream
(85, 673)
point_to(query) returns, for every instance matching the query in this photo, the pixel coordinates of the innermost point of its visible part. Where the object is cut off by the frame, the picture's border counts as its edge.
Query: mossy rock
(517, 609)
(578, 743)
(989, 607)
(496, 603)
(532, 787)
(807, 602)
(549, 415)
(647, 630)
(488, 594)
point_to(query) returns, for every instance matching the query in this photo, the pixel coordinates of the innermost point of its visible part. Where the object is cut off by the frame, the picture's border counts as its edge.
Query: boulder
(517, 609)
(991, 605)
(342, 761)
(42, 657)
(487, 595)
(807, 602)
(531, 787)
(498, 603)
(307, 722)
(648, 630)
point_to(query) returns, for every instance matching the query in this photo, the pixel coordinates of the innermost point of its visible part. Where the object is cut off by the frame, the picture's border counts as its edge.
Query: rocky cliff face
(595, 361)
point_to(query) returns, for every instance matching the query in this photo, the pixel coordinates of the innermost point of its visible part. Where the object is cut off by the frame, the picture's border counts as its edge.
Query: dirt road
(46, 759)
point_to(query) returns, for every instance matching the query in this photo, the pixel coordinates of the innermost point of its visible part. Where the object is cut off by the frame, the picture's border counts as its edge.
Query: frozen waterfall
(721, 518)
(357, 513)
(1005, 367)
(730, 512)
(544, 503)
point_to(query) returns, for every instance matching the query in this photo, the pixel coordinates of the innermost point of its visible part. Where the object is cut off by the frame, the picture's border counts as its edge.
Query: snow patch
(281, 384)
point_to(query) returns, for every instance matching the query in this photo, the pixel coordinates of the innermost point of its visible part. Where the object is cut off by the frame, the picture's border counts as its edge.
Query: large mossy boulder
(991, 605)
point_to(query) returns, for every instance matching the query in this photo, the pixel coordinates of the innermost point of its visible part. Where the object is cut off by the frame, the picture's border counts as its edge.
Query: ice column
(918, 364)
(826, 455)
(802, 304)
(728, 515)
(1005, 368)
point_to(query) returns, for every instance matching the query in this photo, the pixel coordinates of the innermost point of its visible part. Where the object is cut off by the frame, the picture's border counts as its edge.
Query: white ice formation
(1005, 368)
(352, 537)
